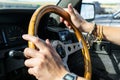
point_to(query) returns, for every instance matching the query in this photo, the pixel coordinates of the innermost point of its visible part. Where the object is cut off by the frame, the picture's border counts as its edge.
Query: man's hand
(77, 20)
(43, 62)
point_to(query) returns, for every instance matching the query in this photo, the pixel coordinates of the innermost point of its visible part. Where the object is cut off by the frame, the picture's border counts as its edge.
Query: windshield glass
(25, 3)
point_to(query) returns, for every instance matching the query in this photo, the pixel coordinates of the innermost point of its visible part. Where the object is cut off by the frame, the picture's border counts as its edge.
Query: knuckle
(26, 62)
(43, 57)
(42, 60)
(41, 64)
(30, 71)
(36, 40)
(25, 50)
(46, 54)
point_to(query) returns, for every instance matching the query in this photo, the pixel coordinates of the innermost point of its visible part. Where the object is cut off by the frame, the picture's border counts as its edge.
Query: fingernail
(70, 7)
(24, 35)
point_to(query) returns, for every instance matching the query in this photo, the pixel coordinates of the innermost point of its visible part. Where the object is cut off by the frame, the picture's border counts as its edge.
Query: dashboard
(13, 24)
(11, 35)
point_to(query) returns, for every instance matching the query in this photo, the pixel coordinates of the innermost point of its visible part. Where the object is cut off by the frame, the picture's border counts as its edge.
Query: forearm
(81, 78)
(69, 76)
(112, 34)
(109, 33)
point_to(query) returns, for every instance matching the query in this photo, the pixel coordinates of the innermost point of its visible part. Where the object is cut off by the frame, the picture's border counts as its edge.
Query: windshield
(25, 3)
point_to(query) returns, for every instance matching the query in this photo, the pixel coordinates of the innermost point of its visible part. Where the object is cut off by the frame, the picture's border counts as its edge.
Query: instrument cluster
(11, 35)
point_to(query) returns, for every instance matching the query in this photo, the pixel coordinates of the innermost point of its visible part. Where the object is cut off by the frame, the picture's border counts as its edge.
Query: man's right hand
(77, 20)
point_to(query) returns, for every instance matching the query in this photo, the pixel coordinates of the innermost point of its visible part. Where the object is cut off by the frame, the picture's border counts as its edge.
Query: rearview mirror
(88, 11)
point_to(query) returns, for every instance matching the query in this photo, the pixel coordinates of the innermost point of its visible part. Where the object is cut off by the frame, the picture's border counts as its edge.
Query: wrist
(60, 74)
(69, 76)
(87, 27)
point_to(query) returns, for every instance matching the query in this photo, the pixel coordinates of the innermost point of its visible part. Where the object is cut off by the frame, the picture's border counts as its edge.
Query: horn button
(60, 50)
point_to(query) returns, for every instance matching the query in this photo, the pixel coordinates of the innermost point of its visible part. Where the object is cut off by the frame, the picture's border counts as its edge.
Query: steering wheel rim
(33, 26)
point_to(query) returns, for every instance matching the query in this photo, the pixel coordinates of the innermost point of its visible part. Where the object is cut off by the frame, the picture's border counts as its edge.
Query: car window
(107, 12)
(25, 3)
(117, 15)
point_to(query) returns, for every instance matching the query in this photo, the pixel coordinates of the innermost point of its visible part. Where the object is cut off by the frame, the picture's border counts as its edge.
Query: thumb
(48, 42)
(70, 9)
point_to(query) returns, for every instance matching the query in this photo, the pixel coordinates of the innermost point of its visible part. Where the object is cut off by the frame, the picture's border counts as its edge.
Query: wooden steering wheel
(33, 26)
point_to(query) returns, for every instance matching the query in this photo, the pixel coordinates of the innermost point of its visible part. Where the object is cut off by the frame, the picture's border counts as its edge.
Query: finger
(37, 41)
(70, 9)
(31, 71)
(32, 62)
(61, 19)
(29, 52)
(34, 71)
(69, 27)
(67, 24)
(48, 42)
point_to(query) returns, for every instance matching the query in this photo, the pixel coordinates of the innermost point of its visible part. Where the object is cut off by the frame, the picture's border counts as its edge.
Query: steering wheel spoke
(72, 47)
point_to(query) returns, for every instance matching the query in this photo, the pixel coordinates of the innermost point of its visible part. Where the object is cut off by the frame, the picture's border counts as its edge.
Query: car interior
(14, 22)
